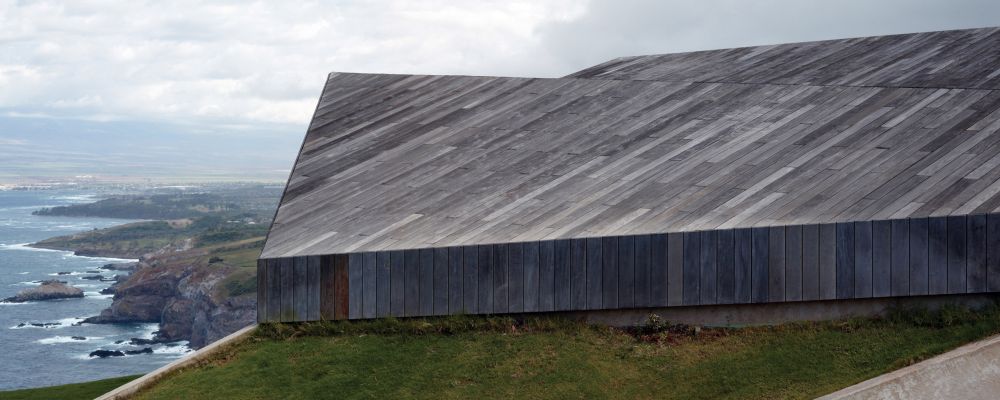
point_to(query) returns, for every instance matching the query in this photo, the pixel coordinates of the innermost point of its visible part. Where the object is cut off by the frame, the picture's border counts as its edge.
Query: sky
(224, 90)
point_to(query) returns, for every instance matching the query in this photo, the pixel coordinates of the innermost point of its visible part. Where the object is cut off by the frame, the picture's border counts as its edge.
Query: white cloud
(260, 61)
(232, 63)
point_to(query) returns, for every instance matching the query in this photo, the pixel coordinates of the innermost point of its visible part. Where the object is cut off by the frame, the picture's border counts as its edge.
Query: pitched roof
(650, 144)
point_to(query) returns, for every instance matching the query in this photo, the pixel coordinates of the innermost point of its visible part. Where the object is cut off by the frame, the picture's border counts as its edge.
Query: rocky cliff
(185, 294)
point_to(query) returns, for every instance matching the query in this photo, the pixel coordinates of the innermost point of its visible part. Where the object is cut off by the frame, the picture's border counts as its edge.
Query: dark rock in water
(22, 325)
(93, 272)
(48, 290)
(130, 266)
(78, 338)
(146, 350)
(144, 342)
(106, 353)
(110, 279)
(93, 277)
(108, 290)
(64, 273)
(44, 324)
(119, 341)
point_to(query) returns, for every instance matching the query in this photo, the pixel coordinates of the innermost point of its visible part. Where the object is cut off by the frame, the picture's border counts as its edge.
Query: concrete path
(127, 390)
(968, 372)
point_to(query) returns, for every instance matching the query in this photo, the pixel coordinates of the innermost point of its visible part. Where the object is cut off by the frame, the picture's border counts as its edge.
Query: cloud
(260, 61)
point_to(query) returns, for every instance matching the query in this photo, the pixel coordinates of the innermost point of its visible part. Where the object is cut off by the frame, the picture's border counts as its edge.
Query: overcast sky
(225, 67)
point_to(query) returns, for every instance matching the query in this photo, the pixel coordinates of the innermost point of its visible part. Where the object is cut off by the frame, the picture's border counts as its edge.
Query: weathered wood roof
(968, 58)
(651, 144)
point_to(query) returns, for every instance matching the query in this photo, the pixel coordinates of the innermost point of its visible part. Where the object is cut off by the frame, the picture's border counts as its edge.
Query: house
(828, 171)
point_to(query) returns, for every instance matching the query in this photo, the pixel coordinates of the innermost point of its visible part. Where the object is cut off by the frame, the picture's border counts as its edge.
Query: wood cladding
(837, 131)
(843, 169)
(849, 260)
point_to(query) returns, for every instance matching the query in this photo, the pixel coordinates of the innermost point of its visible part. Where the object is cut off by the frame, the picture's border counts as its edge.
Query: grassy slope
(548, 359)
(86, 390)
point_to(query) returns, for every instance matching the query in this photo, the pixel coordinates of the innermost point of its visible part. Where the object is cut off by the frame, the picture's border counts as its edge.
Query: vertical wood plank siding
(848, 260)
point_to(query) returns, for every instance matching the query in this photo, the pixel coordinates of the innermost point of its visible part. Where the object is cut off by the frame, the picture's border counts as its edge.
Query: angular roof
(843, 130)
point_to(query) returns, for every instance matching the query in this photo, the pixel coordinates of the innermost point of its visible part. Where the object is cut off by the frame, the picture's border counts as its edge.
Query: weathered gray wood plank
(743, 265)
(810, 262)
(609, 267)
(976, 253)
(313, 282)
(657, 270)
(759, 267)
(397, 279)
(382, 283)
(261, 291)
(845, 260)
(456, 280)
(470, 290)
(793, 263)
(692, 271)
(531, 276)
(500, 278)
(355, 277)
(485, 285)
(441, 285)
(595, 274)
(937, 255)
(286, 270)
(327, 288)
(515, 278)
(993, 253)
(776, 264)
(561, 290)
(881, 258)
(919, 256)
(708, 268)
(957, 257)
(900, 257)
(546, 276)
(863, 259)
(578, 274)
(828, 261)
(675, 269)
(626, 271)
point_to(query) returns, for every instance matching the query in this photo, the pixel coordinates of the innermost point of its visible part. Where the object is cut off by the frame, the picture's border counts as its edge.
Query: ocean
(36, 356)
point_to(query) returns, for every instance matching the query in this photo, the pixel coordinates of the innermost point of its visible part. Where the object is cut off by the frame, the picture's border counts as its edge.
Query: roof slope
(968, 58)
(400, 161)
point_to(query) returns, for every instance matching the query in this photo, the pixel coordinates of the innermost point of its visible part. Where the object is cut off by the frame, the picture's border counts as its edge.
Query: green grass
(86, 390)
(499, 358)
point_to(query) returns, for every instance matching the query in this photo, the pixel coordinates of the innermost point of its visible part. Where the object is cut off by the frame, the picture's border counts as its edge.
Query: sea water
(44, 356)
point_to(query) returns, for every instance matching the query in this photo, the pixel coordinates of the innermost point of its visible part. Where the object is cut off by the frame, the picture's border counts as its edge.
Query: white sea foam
(71, 273)
(24, 273)
(62, 323)
(3, 303)
(97, 295)
(178, 350)
(65, 339)
(26, 247)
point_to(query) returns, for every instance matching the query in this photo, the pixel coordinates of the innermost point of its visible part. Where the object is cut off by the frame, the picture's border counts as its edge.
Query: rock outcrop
(48, 290)
(185, 295)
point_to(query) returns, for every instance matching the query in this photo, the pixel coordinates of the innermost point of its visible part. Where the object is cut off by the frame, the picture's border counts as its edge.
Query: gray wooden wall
(905, 257)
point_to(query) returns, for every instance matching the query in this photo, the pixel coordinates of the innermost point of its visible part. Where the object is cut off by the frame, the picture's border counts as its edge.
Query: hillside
(492, 357)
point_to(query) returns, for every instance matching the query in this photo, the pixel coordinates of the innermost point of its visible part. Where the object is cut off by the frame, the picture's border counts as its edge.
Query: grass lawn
(83, 391)
(498, 358)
